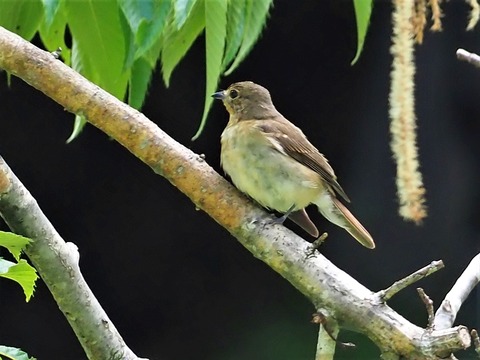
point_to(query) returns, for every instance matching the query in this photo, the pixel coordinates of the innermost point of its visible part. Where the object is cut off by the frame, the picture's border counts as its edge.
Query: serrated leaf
(14, 353)
(181, 11)
(141, 76)
(236, 15)
(22, 273)
(363, 11)
(215, 34)
(22, 17)
(99, 46)
(14, 243)
(257, 11)
(176, 43)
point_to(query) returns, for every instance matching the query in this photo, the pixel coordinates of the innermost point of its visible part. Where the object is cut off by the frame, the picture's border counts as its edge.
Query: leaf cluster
(117, 44)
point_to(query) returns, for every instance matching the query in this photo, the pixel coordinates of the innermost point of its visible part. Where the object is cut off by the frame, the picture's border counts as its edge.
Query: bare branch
(57, 263)
(469, 57)
(429, 305)
(437, 339)
(388, 293)
(447, 312)
(327, 337)
(476, 341)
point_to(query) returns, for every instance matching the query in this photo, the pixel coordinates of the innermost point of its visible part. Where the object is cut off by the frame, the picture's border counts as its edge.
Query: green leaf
(141, 76)
(150, 31)
(81, 66)
(176, 43)
(52, 29)
(236, 15)
(181, 11)
(257, 11)
(97, 30)
(78, 126)
(99, 46)
(363, 11)
(20, 272)
(153, 54)
(215, 34)
(23, 17)
(51, 8)
(14, 243)
(14, 353)
(136, 12)
(147, 20)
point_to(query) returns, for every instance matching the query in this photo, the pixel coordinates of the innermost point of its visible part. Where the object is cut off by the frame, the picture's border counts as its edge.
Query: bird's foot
(280, 220)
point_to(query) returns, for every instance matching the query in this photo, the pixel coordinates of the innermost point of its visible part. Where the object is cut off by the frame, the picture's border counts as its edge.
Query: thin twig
(476, 341)
(447, 312)
(469, 57)
(316, 244)
(399, 285)
(429, 305)
(327, 337)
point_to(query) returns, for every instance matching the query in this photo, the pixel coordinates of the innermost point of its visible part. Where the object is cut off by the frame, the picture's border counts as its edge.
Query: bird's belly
(273, 179)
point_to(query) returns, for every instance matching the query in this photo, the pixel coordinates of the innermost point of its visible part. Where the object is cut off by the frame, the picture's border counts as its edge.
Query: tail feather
(341, 216)
(300, 217)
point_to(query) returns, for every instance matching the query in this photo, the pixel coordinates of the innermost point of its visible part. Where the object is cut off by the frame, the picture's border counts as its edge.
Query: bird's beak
(219, 95)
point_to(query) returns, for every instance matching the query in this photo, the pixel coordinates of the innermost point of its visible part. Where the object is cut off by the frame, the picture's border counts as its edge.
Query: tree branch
(469, 57)
(332, 291)
(57, 264)
(325, 343)
(447, 312)
(401, 284)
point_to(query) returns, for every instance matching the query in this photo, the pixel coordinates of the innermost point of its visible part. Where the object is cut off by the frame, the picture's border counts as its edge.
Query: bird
(271, 160)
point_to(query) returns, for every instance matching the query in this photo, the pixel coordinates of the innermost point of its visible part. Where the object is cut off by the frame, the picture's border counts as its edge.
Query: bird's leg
(281, 219)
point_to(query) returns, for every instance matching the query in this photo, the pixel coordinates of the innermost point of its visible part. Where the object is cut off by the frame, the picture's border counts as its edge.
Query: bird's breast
(269, 176)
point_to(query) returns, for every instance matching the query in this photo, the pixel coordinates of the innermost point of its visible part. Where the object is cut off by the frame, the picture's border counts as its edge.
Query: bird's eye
(233, 94)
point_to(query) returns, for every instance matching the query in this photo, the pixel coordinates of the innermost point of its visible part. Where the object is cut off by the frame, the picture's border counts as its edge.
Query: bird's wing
(294, 143)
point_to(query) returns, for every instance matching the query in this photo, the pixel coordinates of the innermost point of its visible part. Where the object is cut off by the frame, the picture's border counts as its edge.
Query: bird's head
(247, 101)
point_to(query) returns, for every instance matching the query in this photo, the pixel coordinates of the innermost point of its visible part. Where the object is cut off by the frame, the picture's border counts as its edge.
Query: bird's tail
(337, 213)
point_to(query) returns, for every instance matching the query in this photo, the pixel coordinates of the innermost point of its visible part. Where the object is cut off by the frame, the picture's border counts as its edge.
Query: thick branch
(332, 291)
(57, 263)
(447, 312)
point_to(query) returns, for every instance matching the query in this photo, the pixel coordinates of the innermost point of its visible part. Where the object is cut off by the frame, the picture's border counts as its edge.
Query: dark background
(176, 284)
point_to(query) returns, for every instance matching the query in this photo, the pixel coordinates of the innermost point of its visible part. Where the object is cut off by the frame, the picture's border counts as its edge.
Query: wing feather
(295, 144)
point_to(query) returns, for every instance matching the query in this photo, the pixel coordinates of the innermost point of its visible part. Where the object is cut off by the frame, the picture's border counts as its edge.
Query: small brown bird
(270, 159)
